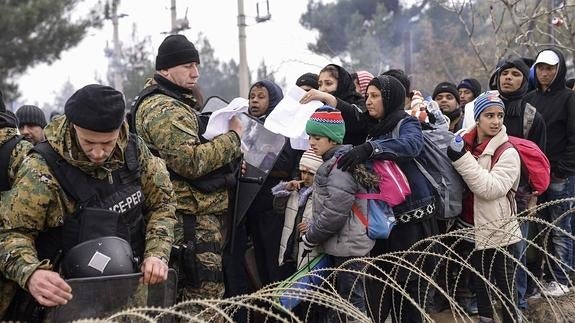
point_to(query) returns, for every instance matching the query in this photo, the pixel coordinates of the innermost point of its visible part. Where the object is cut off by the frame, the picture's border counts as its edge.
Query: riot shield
(261, 149)
(100, 297)
(213, 103)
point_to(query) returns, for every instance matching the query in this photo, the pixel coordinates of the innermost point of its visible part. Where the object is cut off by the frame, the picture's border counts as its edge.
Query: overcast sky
(281, 41)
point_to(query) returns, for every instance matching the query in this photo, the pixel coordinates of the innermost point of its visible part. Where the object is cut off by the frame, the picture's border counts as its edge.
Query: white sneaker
(554, 289)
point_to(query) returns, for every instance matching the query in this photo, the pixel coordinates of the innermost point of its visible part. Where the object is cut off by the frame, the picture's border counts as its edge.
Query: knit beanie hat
(176, 50)
(363, 78)
(326, 122)
(31, 114)
(310, 161)
(8, 120)
(309, 79)
(486, 100)
(54, 114)
(446, 87)
(96, 107)
(471, 84)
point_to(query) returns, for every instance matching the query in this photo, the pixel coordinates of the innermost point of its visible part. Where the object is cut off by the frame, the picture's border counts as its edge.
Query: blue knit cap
(486, 100)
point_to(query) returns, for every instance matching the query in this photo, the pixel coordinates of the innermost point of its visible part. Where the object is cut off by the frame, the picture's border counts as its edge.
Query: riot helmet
(105, 256)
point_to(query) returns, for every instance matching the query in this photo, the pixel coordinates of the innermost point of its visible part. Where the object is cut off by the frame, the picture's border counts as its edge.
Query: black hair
(400, 75)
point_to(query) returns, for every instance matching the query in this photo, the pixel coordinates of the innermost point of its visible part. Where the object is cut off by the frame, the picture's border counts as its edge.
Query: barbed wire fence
(386, 270)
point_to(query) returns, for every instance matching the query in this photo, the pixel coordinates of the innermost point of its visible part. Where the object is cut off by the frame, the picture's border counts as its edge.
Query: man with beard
(447, 97)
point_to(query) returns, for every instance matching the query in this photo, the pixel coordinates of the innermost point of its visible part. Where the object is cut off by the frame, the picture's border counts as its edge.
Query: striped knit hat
(363, 78)
(326, 122)
(310, 161)
(486, 100)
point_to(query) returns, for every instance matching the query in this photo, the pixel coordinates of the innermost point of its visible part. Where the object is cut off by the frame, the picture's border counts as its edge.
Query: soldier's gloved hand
(356, 156)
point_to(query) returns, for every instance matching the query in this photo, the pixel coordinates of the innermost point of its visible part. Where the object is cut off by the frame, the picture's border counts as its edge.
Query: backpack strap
(357, 211)
(395, 131)
(152, 89)
(131, 155)
(494, 159)
(528, 117)
(80, 190)
(499, 151)
(5, 152)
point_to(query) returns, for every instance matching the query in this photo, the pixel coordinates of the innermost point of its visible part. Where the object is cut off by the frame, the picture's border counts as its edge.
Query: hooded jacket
(515, 106)
(18, 153)
(275, 95)
(350, 103)
(37, 202)
(557, 106)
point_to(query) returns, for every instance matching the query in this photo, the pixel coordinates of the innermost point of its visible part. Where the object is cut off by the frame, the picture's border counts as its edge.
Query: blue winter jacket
(403, 150)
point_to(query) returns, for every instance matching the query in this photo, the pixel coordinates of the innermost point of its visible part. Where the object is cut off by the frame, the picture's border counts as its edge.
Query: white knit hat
(310, 161)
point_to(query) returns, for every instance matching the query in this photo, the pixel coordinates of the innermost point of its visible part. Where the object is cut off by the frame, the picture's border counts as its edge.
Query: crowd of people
(148, 183)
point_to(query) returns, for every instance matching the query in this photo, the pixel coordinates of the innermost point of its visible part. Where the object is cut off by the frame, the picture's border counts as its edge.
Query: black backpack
(5, 152)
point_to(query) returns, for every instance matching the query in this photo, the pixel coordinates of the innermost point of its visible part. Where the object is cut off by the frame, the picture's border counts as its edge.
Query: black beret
(96, 107)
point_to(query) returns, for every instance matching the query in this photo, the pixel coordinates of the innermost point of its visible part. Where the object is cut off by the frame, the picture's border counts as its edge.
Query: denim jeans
(346, 280)
(559, 244)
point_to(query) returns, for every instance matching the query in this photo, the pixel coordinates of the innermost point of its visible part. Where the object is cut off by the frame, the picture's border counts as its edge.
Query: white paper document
(289, 116)
(219, 120)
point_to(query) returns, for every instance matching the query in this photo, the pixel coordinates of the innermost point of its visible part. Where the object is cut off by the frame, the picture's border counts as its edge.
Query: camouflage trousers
(208, 231)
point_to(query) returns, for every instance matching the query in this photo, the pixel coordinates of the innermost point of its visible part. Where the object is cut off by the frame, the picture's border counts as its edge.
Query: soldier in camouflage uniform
(11, 161)
(165, 117)
(12, 152)
(92, 139)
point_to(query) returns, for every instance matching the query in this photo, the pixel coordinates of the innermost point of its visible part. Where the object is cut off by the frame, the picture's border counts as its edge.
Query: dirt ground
(539, 311)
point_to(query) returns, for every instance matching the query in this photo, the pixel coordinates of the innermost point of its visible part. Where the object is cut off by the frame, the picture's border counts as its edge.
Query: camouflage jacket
(19, 152)
(37, 202)
(170, 127)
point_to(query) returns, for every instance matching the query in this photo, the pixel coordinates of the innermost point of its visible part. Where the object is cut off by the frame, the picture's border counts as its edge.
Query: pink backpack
(393, 190)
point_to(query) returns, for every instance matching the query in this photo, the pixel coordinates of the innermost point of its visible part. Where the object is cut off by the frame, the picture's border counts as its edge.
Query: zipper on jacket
(109, 175)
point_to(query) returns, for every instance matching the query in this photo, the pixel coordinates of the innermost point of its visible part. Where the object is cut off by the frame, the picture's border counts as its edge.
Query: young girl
(298, 212)
(488, 203)
(336, 89)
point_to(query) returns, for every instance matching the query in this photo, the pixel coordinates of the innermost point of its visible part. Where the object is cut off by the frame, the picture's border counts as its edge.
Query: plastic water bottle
(433, 109)
(457, 143)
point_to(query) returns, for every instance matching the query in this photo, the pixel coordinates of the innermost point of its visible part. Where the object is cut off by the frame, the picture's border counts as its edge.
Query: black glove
(356, 156)
(453, 153)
